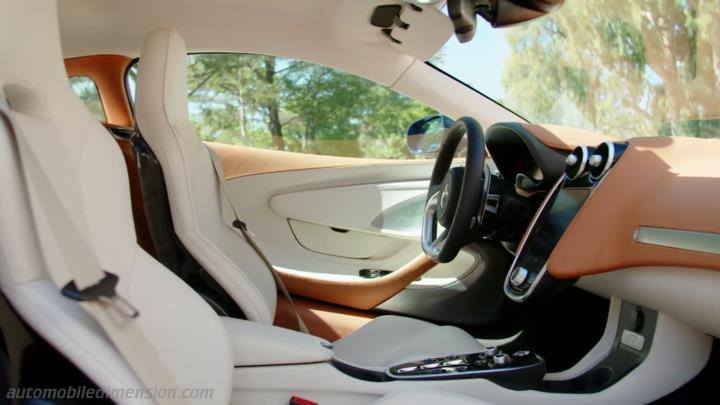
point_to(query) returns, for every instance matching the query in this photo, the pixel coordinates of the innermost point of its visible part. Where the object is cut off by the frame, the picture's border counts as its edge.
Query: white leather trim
(427, 397)
(678, 353)
(184, 331)
(257, 344)
(690, 295)
(391, 340)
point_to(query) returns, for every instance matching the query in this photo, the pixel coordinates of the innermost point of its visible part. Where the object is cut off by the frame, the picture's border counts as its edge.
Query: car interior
(279, 202)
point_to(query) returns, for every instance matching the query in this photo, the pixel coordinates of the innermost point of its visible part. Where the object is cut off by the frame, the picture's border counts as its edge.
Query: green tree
(647, 67)
(85, 88)
(270, 102)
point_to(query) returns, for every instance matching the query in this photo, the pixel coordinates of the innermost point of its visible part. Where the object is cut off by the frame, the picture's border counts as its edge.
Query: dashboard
(640, 220)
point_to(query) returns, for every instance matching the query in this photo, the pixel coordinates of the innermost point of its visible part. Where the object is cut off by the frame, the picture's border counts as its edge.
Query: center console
(522, 369)
(519, 370)
(585, 169)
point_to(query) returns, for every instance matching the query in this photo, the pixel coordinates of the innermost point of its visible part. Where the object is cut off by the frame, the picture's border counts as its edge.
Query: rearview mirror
(499, 13)
(426, 135)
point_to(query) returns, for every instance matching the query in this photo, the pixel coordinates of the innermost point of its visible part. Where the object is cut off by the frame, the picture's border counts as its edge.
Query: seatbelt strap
(242, 228)
(92, 287)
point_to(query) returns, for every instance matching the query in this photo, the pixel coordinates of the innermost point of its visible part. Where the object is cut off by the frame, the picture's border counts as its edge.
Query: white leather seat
(195, 202)
(91, 181)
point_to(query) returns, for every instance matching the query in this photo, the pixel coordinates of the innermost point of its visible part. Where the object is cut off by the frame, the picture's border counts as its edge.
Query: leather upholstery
(391, 340)
(428, 397)
(183, 329)
(258, 344)
(195, 203)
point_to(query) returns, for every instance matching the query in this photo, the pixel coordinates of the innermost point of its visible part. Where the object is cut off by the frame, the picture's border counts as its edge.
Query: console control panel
(522, 367)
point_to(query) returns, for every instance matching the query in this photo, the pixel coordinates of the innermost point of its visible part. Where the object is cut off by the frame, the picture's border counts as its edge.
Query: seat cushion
(426, 396)
(391, 340)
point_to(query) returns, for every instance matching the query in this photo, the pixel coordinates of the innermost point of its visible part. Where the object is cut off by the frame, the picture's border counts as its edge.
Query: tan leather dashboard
(661, 182)
(565, 138)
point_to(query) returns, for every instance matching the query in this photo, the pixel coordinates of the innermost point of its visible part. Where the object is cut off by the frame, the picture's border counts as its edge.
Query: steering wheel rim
(444, 248)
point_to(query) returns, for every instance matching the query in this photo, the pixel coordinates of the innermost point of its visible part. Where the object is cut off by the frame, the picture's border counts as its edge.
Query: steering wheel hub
(449, 196)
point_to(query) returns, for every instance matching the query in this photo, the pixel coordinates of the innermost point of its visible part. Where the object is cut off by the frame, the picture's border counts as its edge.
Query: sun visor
(418, 31)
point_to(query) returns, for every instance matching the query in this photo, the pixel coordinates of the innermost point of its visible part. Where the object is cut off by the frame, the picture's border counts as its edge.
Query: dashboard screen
(550, 227)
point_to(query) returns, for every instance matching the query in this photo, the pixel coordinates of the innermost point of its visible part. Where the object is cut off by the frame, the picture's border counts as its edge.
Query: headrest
(162, 78)
(32, 68)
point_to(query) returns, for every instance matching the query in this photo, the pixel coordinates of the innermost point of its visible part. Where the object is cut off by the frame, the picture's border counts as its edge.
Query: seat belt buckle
(103, 290)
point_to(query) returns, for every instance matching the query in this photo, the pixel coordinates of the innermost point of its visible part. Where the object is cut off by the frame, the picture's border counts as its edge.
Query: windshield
(624, 68)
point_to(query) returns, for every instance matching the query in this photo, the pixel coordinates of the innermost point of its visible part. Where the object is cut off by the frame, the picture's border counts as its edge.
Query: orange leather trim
(659, 182)
(565, 138)
(361, 294)
(327, 321)
(238, 161)
(108, 73)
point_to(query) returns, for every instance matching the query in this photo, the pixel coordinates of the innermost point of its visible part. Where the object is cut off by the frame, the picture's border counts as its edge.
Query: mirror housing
(426, 135)
(499, 13)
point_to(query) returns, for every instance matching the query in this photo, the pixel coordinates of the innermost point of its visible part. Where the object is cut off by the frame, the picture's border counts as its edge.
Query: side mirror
(426, 135)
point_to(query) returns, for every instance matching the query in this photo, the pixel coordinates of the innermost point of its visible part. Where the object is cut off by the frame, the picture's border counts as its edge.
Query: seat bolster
(390, 340)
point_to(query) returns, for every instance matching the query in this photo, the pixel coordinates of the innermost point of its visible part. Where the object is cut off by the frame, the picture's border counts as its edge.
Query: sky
(479, 62)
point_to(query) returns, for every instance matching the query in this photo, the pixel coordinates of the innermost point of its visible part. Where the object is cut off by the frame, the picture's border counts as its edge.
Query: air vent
(601, 160)
(576, 162)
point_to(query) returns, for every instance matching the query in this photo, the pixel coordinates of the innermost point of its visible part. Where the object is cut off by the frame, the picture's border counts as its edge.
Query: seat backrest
(88, 169)
(161, 106)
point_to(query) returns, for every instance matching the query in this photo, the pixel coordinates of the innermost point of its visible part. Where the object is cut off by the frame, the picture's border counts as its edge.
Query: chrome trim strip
(506, 286)
(584, 159)
(704, 242)
(608, 162)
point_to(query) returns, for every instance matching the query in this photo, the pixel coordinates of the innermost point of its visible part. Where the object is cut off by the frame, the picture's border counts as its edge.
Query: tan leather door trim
(239, 161)
(360, 294)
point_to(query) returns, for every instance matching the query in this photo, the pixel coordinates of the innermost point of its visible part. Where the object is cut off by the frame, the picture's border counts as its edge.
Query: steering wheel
(454, 194)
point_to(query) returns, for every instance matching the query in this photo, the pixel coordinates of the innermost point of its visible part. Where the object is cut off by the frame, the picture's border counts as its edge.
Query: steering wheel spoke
(454, 193)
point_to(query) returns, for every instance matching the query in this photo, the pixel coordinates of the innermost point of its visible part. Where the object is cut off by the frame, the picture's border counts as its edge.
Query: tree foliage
(87, 91)
(291, 105)
(646, 67)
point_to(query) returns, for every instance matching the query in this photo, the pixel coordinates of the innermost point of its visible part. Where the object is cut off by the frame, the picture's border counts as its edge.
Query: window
(624, 68)
(283, 104)
(86, 89)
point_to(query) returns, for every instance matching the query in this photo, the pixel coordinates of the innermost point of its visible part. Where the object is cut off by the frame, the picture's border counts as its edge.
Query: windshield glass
(624, 68)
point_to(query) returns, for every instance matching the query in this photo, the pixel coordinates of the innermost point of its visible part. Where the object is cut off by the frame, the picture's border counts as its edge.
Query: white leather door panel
(293, 215)
(342, 242)
(365, 207)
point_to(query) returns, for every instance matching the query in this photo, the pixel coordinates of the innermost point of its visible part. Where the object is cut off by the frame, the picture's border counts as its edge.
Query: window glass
(283, 104)
(86, 89)
(625, 68)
